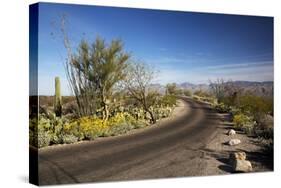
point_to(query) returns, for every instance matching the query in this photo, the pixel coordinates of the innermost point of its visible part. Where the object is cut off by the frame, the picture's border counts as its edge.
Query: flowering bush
(44, 131)
(92, 127)
(241, 120)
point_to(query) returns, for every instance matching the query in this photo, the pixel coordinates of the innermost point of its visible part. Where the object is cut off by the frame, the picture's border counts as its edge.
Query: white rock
(233, 142)
(242, 166)
(237, 156)
(231, 132)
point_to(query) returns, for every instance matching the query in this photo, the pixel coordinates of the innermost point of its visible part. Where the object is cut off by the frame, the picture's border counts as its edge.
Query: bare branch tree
(218, 88)
(79, 84)
(138, 82)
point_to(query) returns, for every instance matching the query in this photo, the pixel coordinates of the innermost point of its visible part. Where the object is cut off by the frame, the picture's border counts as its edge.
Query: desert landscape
(108, 114)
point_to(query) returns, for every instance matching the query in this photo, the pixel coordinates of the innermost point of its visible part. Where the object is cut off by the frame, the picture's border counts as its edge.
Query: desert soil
(217, 151)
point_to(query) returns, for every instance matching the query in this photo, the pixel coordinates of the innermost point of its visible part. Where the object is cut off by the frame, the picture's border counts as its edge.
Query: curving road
(173, 149)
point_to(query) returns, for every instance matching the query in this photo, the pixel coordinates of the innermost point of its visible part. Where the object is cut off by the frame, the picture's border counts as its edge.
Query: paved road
(173, 149)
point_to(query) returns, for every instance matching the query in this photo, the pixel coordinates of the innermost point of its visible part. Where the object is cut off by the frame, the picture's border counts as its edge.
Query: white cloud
(257, 71)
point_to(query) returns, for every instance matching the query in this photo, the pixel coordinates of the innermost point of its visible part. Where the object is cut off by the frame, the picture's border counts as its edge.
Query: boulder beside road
(242, 166)
(234, 142)
(237, 156)
(239, 163)
(231, 132)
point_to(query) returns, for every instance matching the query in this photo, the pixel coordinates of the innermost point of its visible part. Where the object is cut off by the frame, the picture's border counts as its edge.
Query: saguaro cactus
(58, 103)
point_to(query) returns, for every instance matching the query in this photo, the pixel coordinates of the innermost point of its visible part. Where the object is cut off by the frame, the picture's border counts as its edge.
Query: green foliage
(162, 112)
(93, 127)
(202, 93)
(250, 127)
(44, 139)
(172, 89)
(69, 139)
(187, 92)
(168, 100)
(222, 108)
(251, 112)
(46, 131)
(195, 97)
(241, 120)
(256, 106)
(93, 72)
(245, 123)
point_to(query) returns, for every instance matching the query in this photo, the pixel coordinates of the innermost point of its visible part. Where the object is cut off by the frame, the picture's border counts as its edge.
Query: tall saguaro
(58, 103)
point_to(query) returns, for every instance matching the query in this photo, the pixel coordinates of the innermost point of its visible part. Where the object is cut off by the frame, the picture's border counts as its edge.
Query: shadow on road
(57, 169)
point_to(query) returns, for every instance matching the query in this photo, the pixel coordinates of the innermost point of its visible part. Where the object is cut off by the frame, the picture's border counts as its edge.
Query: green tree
(102, 66)
(187, 92)
(93, 71)
(171, 88)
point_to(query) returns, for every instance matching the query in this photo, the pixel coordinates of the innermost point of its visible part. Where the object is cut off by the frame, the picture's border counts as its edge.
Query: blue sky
(182, 46)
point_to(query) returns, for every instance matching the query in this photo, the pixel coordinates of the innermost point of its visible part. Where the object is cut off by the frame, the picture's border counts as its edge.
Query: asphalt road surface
(173, 149)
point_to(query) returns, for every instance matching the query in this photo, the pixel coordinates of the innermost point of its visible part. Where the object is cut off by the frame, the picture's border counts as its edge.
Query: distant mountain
(259, 88)
(250, 84)
(193, 87)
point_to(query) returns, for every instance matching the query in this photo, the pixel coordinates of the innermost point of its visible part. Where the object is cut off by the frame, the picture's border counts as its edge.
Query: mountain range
(259, 88)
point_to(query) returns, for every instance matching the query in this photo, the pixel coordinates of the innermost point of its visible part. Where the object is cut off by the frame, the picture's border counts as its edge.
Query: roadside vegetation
(250, 112)
(112, 95)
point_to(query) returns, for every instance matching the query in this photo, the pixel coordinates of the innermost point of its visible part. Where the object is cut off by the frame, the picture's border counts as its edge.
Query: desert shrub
(265, 133)
(53, 130)
(222, 108)
(248, 125)
(46, 131)
(256, 106)
(249, 128)
(73, 128)
(33, 132)
(168, 100)
(92, 127)
(195, 97)
(162, 112)
(208, 100)
(235, 111)
(122, 123)
(187, 92)
(44, 138)
(202, 93)
(39, 134)
(119, 129)
(69, 139)
(241, 120)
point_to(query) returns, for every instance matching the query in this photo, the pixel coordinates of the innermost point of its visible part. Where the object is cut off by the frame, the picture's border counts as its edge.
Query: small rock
(231, 132)
(237, 156)
(242, 166)
(233, 142)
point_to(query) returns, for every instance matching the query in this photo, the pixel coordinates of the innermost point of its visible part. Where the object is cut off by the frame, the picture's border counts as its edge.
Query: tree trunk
(153, 120)
(105, 112)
